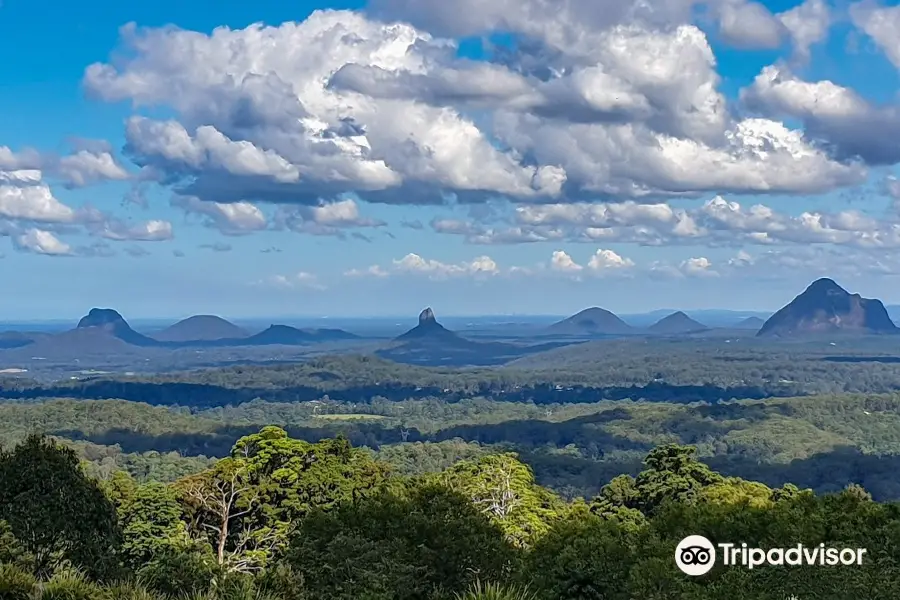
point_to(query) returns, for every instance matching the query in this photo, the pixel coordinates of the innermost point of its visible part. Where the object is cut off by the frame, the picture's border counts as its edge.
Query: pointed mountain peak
(677, 322)
(427, 327)
(426, 317)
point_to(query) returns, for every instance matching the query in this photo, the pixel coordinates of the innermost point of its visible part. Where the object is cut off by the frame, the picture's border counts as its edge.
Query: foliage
(15, 583)
(54, 510)
(494, 591)
(425, 543)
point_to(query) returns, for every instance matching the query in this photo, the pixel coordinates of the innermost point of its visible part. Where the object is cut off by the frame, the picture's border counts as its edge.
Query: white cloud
(699, 267)
(327, 218)
(560, 261)
(625, 103)
(39, 241)
(148, 231)
(300, 279)
(24, 196)
(84, 168)
(808, 24)
(606, 260)
(853, 126)
(716, 222)
(373, 271)
(234, 218)
(882, 24)
(413, 263)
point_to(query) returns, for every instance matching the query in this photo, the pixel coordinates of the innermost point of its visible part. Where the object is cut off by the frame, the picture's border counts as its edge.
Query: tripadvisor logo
(695, 555)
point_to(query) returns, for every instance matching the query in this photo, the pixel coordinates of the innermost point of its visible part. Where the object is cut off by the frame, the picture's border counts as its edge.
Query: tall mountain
(676, 323)
(200, 328)
(108, 321)
(592, 320)
(429, 329)
(430, 343)
(826, 307)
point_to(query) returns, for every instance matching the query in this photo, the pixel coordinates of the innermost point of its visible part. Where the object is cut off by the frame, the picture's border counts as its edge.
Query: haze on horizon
(370, 159)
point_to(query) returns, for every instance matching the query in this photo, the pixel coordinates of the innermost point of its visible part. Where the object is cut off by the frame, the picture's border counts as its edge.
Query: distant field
(351, 417)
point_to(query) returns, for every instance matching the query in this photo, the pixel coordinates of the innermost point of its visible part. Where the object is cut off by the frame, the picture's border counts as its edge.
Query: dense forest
(355, 477)
(284, 519)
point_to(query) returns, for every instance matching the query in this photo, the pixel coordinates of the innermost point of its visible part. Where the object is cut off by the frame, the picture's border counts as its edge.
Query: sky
(356, 159)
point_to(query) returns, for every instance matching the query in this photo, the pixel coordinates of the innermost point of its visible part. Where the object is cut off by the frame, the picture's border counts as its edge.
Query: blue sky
(374, 158)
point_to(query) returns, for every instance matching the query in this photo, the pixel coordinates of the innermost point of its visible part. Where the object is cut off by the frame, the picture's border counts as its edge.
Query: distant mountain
(17, 339)
(754, 323)
(102, 331)
(429, 329)
(201, 328)
(430, 343)
(596, 321)
(108, 321)
(826, 307)
(290, 336)
(675, 324)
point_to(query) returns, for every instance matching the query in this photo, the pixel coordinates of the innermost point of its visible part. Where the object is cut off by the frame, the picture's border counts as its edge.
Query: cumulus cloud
(27, 204)
(717, 222)
(414, 264)
(700, 266)
(148, 231)
(23, 195)
(561, 261)
(622, 102)
(838, 116)
(91, 163)
(85, 167)
(234, 218)
(326, 218)
(607, 260)
(39, 241)
(808, 24)
(882, 24)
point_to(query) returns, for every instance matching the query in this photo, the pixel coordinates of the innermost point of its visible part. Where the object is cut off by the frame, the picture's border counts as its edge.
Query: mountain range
(822, 308)
(104, 330)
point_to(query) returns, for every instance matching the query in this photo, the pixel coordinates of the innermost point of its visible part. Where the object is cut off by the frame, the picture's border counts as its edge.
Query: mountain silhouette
(676, 323)
(107, 320)
(826, 307)
(430, 343)
(429, 329)
(285, 335)
(201, 328)
(754, 323)
(592, 320)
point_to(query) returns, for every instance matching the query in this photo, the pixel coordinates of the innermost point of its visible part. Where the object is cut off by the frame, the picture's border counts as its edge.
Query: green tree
(55, 511)
(246, 505)
(503, 488)
(428, 542)
(152, 520)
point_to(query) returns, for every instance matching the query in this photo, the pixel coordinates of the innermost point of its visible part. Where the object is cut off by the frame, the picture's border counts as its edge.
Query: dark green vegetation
(384, 480)
(284, 519)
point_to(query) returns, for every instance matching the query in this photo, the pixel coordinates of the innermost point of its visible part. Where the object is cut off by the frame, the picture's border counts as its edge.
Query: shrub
(68, 585)
(16, 584)
(494, 591)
